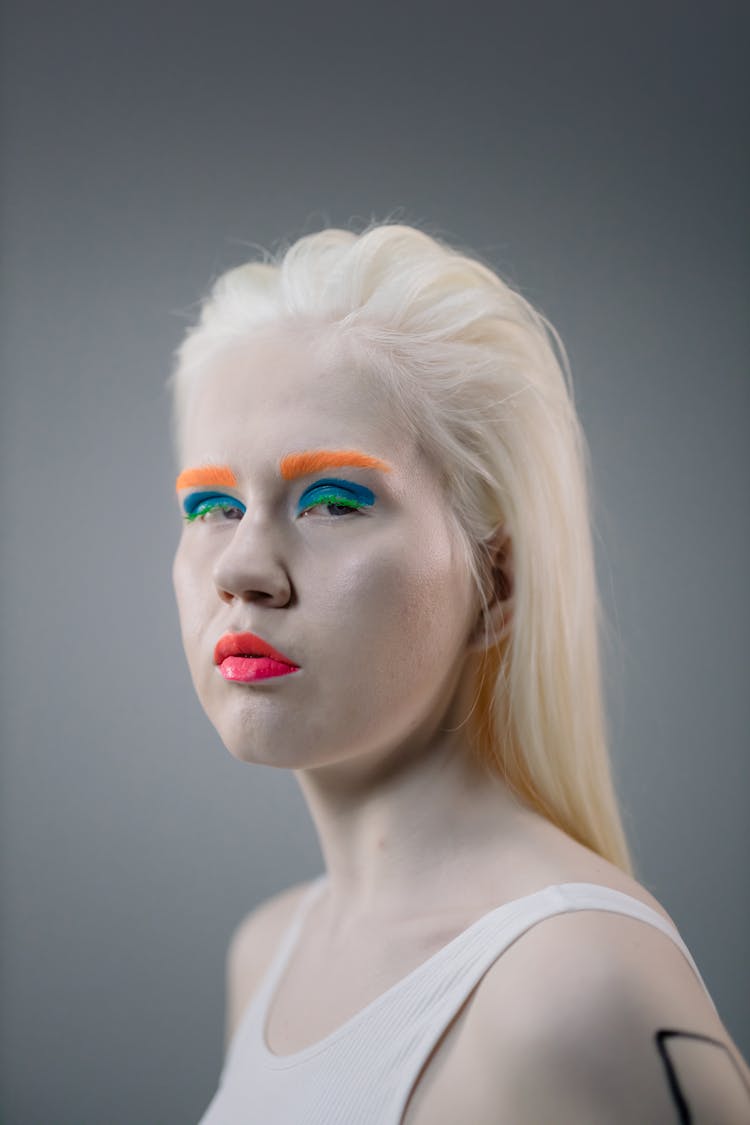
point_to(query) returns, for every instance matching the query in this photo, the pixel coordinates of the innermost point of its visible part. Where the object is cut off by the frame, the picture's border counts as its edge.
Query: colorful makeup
(291, 466)
(198, 504)
(341, 493)
(314, 460)
(219, 475)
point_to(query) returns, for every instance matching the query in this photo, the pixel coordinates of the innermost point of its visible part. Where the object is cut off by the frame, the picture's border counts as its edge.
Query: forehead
(272, 394)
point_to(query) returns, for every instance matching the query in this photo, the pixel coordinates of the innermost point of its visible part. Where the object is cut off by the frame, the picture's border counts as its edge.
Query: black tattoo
(680, 1100)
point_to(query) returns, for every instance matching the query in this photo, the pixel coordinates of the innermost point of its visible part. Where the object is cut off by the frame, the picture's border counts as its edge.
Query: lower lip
(247, 669)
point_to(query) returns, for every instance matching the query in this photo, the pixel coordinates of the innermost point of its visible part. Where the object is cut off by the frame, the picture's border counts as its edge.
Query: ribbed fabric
(364, 1071)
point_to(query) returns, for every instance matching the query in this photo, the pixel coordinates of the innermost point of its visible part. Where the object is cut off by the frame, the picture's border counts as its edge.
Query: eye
(341, 498)
(334, 508)
(212, 508)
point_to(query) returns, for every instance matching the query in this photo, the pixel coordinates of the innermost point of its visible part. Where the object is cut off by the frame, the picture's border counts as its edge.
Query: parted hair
(482, 383)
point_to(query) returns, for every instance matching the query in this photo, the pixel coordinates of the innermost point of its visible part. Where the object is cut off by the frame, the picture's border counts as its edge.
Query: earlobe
(493, 626)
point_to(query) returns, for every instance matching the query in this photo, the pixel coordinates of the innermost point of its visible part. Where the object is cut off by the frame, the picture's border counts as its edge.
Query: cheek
(189, 588)
(412, 602)
(399, 643)
(431, 614)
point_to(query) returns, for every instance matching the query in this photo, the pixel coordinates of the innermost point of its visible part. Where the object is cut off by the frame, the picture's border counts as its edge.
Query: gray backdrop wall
(593, 152)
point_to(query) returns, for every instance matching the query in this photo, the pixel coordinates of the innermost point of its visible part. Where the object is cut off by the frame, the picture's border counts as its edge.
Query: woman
(386, 584)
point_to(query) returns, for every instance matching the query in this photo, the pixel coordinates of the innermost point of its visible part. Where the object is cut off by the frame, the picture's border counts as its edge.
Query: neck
(413, 826)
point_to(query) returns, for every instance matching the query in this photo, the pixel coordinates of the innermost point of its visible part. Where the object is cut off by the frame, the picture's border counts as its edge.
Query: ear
(499, 596)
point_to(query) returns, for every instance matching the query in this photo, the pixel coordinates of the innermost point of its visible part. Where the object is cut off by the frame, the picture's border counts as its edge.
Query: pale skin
(377, 609)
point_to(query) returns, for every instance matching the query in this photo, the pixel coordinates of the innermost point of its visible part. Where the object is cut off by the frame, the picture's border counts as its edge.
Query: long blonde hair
(483, 383)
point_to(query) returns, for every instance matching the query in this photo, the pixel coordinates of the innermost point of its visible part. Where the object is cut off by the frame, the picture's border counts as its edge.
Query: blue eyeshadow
(195, 499)
(347, 489)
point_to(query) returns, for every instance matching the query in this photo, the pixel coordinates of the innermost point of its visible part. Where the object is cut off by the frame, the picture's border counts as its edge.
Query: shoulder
(251, 947)
(594, 1016)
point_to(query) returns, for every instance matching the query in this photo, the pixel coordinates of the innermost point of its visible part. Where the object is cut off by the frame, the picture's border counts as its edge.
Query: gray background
(595, 154)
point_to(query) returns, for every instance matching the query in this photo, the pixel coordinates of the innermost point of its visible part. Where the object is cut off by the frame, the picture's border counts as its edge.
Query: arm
(609, 1024)
(621, 1061)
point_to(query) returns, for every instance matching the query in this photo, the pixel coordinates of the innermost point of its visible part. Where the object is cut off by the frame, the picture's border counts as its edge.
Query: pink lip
(245, 657)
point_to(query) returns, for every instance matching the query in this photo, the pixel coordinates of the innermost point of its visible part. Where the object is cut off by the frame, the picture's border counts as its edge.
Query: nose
(250, 569)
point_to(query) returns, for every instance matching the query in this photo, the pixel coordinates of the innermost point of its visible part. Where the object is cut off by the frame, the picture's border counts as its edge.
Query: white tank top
(364, 1071)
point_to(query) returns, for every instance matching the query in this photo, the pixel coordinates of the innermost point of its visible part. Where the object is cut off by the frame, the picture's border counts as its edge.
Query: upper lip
(247, 644)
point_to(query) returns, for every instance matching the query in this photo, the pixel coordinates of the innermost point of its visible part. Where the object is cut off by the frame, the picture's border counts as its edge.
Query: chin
(248, 740)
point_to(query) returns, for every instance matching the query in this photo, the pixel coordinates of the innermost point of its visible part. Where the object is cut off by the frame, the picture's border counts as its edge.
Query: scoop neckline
(343, 1029)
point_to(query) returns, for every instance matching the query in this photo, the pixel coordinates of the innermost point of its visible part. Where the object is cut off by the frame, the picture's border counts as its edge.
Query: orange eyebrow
(313, 460)
(206, 474)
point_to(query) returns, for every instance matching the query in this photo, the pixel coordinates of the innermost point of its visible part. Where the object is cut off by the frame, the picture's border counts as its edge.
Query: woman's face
(360, 583)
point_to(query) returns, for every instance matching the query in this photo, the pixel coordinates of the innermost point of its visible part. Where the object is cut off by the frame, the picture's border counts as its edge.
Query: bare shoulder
(595, 1016)
(252, 946)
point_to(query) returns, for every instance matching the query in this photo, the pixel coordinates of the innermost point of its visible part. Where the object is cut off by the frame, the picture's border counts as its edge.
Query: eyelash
(208, 504)
(329, 493)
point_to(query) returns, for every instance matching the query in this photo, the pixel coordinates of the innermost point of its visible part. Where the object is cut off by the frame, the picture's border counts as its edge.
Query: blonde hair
(482, 382)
